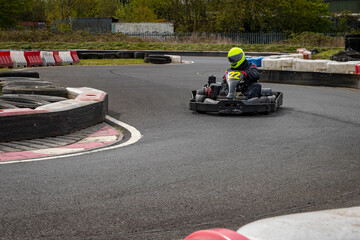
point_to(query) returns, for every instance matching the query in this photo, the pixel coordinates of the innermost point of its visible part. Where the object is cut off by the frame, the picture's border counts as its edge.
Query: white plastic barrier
(269, 63)
(18, 59)
(342, 67)
(66, 57)
(296, 55)
(74, 92)
(64, 105)
(174, 58)
(305, 65)
(47, 58)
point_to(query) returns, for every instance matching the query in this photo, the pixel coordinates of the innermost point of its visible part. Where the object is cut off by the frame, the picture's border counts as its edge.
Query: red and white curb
(101, 140)
(336, 224)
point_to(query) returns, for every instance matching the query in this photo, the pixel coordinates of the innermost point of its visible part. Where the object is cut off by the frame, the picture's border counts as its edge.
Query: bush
(315, 39)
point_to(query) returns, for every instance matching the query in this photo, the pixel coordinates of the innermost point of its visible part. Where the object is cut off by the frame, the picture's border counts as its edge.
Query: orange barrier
(33, 59)
(5, 60)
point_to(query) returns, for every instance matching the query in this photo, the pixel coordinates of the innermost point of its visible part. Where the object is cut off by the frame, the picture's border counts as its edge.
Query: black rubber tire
(23, 102)
(19, 74)
(200, 91)
(47, 98)
(200, 98)
(125, 55)
(146, 60)
(139, 55)
(157, 60)
(167, 58)
(26, 82)
(35, 89)
(107, 55)
(6, 105)
(89, 55)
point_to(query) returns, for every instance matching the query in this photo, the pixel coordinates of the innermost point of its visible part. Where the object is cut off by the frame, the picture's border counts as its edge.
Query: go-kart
(211, 99)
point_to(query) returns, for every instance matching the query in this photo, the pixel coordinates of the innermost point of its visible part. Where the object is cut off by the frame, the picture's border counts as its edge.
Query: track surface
(189, 171)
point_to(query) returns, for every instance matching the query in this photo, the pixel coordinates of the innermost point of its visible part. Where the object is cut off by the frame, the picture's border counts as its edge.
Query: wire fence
(243, 38)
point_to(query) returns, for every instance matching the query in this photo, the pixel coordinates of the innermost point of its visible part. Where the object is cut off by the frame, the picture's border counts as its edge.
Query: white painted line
(135, 136)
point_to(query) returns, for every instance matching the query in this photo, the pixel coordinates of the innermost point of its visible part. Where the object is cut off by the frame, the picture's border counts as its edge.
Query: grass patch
(87, 62)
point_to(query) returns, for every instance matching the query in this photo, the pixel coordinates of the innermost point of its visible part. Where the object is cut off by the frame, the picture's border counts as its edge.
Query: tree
(11, 12)
(136, 11)
(301, 15)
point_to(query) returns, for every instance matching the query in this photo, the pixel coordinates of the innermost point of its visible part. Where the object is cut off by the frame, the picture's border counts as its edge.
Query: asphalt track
(189, 171)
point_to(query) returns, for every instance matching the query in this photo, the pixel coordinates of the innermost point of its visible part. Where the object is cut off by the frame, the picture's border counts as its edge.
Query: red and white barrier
(57, 58)
(5, 60)
(33, 59)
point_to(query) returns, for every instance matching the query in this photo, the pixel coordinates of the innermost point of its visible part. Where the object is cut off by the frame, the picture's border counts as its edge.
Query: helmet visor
(234, 59)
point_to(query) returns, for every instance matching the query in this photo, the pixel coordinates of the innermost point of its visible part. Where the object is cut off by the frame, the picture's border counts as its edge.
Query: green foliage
(314, 39)
(293, 16)
(136, 11)
(10, 12)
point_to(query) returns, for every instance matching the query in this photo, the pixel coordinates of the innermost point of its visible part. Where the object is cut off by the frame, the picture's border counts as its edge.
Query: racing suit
(250, 87)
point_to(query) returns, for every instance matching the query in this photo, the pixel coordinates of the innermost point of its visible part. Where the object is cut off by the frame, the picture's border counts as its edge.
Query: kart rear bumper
(227, 106)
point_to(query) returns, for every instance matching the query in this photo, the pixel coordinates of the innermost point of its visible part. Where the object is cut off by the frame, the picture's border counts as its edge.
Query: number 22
(234, 75)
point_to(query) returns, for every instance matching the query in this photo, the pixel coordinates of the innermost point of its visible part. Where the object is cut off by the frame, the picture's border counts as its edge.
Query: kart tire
(200, 91)
(50, 90)
(200, 98)
(19, 74)
(264, 99)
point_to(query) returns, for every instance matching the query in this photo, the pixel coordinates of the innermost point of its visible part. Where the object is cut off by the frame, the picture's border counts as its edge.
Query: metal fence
(243, 38)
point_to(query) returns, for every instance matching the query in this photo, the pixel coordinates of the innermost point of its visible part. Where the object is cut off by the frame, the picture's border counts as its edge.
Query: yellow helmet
(236, 57)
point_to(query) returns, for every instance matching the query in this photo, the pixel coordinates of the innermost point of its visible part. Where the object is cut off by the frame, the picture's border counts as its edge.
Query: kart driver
(250, 85)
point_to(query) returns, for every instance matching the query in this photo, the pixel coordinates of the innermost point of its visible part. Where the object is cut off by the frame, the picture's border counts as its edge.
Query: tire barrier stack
(21, 59)
(148, 56)
(33, 108)
(352, 41)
